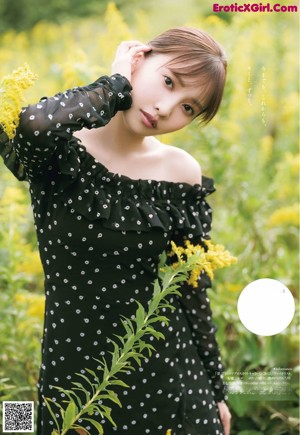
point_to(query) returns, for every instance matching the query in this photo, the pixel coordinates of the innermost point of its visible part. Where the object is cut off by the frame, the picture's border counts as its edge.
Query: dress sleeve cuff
(122, 88)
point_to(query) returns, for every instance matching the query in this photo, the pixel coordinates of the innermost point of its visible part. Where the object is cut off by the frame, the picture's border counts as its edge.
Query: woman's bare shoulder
(182, 165)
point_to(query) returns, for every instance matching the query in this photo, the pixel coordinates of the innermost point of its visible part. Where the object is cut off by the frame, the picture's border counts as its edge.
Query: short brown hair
(196, 56)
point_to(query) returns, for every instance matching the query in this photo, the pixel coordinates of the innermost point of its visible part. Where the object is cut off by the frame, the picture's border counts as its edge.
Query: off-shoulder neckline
(97, 165)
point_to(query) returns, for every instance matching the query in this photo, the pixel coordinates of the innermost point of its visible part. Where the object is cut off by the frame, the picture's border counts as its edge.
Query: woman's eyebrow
(183, 84)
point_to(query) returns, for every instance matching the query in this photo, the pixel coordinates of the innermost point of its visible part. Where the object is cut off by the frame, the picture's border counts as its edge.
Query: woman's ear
(137, 61)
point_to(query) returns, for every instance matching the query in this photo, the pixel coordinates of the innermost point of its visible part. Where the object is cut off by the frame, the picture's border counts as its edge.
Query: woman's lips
(148, 120)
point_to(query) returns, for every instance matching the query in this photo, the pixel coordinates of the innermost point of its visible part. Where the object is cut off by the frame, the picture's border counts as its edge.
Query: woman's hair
(199, 59)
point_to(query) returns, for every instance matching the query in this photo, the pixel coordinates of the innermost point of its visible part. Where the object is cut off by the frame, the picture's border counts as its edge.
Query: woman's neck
(121, 150)
(120, 139)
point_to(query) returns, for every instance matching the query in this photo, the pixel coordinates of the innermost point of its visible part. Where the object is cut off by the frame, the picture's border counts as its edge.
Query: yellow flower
(214, 20)
(13, 208)
(116, 31)
(30, 263)
(285, 216)
(177, 250)
(293, 162)
(12, 194)
(233, 287)
(201, 259)
(36, 307)
(33, 303)
(266, 147)
(12, 89)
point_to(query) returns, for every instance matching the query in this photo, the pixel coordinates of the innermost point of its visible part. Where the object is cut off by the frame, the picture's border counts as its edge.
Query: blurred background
(250, 149)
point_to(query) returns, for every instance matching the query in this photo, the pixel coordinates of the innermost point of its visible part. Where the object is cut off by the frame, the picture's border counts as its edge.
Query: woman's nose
(164, 108)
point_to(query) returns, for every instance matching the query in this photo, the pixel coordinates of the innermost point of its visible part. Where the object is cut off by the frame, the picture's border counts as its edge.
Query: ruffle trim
(88, 188)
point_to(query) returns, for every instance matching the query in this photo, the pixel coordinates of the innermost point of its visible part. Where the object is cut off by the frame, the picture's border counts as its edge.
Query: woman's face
(162, 102)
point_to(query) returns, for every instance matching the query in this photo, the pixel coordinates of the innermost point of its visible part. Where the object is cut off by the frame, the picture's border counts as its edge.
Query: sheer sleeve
(196, 307)
(48, 125)
(195, 302)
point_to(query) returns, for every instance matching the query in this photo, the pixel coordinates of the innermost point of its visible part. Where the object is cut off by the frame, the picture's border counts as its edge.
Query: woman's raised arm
(50, 123)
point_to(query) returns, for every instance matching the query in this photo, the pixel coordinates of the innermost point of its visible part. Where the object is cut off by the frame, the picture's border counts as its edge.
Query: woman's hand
(127, 55)
(225, 417)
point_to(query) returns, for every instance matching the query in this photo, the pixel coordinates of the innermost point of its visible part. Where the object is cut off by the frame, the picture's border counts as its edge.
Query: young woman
(107, 201)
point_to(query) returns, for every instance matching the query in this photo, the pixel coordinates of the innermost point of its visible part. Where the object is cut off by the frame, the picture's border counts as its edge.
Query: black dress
(100, 235)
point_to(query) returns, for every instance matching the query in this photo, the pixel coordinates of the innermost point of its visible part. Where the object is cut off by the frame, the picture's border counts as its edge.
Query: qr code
(18, 417)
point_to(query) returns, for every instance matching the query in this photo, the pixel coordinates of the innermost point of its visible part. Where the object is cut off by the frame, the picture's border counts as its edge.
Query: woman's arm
(46, 127)
(196, 307)
(50, 123)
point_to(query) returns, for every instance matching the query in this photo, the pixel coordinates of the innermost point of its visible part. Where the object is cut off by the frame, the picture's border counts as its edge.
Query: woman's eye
(188, 109)
(168, 81)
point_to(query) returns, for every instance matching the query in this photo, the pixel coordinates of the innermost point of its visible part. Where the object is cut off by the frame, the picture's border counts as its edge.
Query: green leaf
(238, 405)
(119, 382)
(120, 338)
(107, 413)
(97, 425)
(162, 260)
(91, 372)
(158, 335)
(128, 326)
(137, 359)
(156, 290)
(139, 315)
(111, 395)
(158, 319)
(47, 400)
(88, 409)
(80, 387)
(73, 396)
(87, 380)
(69, 416)
(96, 408)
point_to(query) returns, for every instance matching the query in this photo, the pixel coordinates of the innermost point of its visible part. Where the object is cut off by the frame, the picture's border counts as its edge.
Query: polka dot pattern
(100, 236)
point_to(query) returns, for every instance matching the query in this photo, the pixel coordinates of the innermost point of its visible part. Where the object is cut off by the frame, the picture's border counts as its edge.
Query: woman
(107, 201)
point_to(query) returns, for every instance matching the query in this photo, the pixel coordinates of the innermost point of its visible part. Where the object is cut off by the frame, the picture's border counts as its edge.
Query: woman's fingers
(125, 46)
(225, 417)
(127, 55)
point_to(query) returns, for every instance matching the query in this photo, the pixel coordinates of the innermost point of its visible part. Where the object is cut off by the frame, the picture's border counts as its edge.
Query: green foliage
(23, 14)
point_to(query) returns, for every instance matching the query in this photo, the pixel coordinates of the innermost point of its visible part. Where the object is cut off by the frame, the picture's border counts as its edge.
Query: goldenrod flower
(233, 287)
(214, 20)
(13, 204)
(266, 147)
(36, 307)
(116, 31)
(207, 260)
(10, 194)
(33, 303)
(30, 262)
(12, 88)
(285, 216)
(293, 162)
